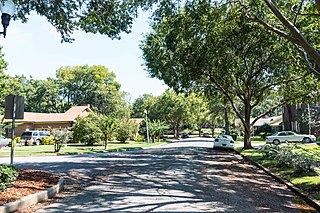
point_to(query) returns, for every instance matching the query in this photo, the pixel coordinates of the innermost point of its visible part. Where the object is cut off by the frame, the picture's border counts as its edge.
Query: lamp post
(146, 113)
(7, 9)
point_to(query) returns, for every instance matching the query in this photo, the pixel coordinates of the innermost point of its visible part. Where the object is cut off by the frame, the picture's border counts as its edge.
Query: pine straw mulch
(28, 182)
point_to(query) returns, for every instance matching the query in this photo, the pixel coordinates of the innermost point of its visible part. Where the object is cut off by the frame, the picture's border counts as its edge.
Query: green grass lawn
(310, 183)
(75, 149)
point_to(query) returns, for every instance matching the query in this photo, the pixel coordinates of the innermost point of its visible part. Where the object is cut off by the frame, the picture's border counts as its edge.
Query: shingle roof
(69, 116)
(272, 121)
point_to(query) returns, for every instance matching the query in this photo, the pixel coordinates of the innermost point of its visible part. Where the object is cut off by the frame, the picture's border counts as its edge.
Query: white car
(223, 141)
(288, 136)
(4, 141)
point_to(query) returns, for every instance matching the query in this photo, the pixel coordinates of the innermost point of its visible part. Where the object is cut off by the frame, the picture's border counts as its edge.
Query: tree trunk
(175, 131)
(247, 135)
(106, 144)
(227, 123)
(212, 129)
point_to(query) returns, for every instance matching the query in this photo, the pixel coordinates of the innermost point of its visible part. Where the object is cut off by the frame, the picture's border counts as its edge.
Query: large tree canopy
(212, 45)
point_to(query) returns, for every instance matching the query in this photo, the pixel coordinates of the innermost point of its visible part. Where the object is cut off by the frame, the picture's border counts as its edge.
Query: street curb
(296, 190)
(33, 199)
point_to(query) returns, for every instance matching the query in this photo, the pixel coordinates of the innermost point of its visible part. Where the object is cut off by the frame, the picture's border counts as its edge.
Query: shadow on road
(169, 179)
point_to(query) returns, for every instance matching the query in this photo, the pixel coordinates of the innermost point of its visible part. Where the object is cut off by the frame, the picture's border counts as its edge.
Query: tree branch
(268, 111)
(276, 30)
(307, 47)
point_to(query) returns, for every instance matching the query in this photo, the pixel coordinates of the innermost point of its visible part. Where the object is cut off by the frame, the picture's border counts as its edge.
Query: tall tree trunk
(227, 123)
(212, 130)
(247, 135)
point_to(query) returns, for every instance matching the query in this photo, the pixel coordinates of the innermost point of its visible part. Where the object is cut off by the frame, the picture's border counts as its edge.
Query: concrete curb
(296, 190)
(33, 199)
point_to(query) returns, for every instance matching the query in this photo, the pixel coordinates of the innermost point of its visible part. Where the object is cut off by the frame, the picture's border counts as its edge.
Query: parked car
(289, 136)
(206, 135)
(223, 141)
(184, 135)
(34, 136)
(4, 141)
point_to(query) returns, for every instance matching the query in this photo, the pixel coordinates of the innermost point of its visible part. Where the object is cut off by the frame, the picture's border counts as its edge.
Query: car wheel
(306, 140)
(38, 142)
(276, 142)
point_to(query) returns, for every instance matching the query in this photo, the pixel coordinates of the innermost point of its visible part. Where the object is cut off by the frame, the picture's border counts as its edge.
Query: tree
(173, 109)
(296, 21)
(95, 16)
(212, 44)
(86, 129)
(93, 85)
(142, 103)
(126, 129)
(108, 126)
(156, 128)
(198, 111)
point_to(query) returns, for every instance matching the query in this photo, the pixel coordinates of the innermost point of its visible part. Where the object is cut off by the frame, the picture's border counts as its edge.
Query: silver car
(288, 136)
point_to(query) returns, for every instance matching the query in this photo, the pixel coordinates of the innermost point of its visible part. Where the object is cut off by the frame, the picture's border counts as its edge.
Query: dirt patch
(28, 182)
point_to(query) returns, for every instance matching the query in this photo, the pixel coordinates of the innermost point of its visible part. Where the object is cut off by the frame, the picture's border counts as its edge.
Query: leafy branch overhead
(95, 16)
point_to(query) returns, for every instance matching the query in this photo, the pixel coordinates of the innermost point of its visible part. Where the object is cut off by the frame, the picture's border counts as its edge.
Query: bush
(8, 174)
(292, 156)
(47, 140)
(140, 138)
(14, 143)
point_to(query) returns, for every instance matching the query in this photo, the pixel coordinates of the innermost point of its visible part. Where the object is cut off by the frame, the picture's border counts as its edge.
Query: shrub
(291, 156)
(126, 130)
(140, 138)
(14, 143)
(48, 140)
(8, 174)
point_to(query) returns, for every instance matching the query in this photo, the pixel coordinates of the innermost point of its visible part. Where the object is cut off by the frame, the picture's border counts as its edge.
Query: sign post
(14, 108)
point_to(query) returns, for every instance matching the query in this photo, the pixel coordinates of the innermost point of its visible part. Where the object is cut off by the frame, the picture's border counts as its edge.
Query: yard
(75, 149)
(308, 180)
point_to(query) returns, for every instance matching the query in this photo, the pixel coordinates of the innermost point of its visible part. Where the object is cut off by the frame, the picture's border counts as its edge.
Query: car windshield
(275, 134)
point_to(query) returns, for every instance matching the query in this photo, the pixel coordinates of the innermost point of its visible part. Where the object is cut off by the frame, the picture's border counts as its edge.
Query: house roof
(137, 120)
(272, 121)
(69, 116)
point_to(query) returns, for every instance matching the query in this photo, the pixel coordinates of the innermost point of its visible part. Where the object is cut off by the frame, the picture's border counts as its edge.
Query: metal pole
(309, 120)
(146, 112)
(12, 131)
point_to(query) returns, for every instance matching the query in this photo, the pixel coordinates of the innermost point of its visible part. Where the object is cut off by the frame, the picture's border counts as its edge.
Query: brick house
(46, 121)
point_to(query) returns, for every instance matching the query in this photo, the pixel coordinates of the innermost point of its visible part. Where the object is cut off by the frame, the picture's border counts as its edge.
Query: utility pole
(146, 113)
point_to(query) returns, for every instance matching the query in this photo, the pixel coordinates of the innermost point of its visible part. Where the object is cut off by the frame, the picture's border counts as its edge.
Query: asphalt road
(177, 177)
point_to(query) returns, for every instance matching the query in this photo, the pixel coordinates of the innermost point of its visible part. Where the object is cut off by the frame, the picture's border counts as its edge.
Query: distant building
(47, 121)
(275, 121)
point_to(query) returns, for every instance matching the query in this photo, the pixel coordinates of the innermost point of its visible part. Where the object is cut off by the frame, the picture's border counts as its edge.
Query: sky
(35, 49)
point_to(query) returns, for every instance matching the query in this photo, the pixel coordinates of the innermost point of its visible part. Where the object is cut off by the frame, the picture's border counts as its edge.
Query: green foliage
(47, 140)
(140, 138)
(86, 130)
(292, 156)
(213, 46)
(126, 130)
(94, 85)
(8, 174)
(14, 143)
(60, 138)
(105, 17)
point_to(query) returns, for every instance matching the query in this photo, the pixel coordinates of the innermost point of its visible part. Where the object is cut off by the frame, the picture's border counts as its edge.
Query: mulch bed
(28, 182)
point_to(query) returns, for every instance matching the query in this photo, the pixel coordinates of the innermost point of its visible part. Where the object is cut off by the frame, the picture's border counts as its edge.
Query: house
(275, 121)
(302, 118)
(46, 121)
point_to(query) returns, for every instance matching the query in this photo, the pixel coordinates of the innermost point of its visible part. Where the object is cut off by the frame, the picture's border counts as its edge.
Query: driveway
(177, 177)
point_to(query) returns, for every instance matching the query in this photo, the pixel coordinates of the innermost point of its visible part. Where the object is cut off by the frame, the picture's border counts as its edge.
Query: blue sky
(34, 48)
